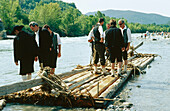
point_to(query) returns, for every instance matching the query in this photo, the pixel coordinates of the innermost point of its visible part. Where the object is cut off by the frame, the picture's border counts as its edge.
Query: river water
(152, 95)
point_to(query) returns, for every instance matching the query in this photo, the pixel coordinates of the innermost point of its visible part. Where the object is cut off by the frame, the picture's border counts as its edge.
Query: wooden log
(148, 61)
(15, 87)
(74, 77)
(86, 76)
(102, 86)
(93, 84)
(85, 82)
(110, 91)
(138, 61)
(131, 58)
(8, 89)
(2, 104)
(88, 84)
(140, 44)
(71, 73)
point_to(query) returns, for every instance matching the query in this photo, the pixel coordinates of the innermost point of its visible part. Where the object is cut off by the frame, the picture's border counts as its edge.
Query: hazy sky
(161, 7)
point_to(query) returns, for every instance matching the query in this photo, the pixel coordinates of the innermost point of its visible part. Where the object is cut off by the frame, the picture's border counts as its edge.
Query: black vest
(96, 34)
(125, 36)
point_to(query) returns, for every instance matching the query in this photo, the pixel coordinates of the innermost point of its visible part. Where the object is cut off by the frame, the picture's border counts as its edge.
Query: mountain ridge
(135, 16)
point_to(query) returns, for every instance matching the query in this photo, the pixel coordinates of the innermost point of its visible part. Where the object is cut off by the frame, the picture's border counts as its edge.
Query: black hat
(17, 27)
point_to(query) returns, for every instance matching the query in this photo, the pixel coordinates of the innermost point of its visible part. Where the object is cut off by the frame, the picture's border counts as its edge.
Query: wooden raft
(87, 89)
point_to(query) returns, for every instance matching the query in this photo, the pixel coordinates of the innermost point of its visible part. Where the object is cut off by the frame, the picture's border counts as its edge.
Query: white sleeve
(129, 35)
(58, 39)
(101, 31)
(90, 35)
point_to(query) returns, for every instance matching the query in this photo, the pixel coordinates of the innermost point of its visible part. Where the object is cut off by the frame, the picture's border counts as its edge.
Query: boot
(104, 71)
(95, 70)
(29, 76)
(112, 72)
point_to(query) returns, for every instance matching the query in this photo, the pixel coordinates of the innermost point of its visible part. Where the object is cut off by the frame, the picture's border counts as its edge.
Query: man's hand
(16, 63)
(36, 58)
(91, 40)
(101, 40)
(127, 48)
(50, 49)
(107, 51)
(123, 49)
(59, 54)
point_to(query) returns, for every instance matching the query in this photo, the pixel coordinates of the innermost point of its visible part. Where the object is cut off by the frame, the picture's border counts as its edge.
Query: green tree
(47, 14)
(70, 22)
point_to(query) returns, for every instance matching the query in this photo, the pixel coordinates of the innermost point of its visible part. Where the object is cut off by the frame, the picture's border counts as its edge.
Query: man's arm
(101, 33)
(129, 38)
(90, 36)
(59, 45)
(122, 44)
(16, 58)
(48, 40)
(59, 53)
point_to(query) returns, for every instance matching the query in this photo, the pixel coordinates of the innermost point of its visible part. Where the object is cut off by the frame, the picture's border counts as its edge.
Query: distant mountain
(136, 17)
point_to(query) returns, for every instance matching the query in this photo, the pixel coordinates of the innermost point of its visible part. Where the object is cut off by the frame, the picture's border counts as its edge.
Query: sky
(161, 7)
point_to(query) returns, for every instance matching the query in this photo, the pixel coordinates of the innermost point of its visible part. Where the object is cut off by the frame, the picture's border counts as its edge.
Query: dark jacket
(113, 37)
(45, 43)
(55, 42)
(96, 33)
(45, 40)
(24, 46)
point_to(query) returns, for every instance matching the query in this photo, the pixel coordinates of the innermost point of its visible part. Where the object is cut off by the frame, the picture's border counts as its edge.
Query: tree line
(62, 17)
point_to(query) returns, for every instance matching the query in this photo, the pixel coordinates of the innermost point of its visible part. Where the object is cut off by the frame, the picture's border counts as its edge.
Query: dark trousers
(124, 54)
(44, 57)
(115, 53)
(99, 50)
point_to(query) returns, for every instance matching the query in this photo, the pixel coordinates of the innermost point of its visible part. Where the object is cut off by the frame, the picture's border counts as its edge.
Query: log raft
(78, 88)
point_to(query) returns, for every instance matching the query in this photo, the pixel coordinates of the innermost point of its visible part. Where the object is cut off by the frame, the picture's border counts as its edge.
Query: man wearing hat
(44, 42)
(24, 51)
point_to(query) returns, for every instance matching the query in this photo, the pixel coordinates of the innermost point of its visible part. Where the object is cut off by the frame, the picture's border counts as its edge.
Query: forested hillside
(63, 18)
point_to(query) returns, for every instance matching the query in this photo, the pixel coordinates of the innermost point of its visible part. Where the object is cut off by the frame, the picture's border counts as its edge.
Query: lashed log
(93, 84)
(15, 87)
(102, 86)
(8, 89)
(88, 84)
(77, 77)
(140, 44)
(2, 104)
(144, 64)
(111, 90)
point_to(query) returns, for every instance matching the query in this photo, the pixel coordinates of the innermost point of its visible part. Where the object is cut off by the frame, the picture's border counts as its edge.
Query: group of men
(115, 41)
(44, 45)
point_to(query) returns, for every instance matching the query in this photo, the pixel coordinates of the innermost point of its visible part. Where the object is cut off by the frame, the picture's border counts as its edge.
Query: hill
(135, 17)
(28, 5)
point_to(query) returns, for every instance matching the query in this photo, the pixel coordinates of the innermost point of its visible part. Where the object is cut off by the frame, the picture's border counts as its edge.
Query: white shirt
(101, 31)
(128, 33)
(37, 37)
(90, 34)
(58, 38)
